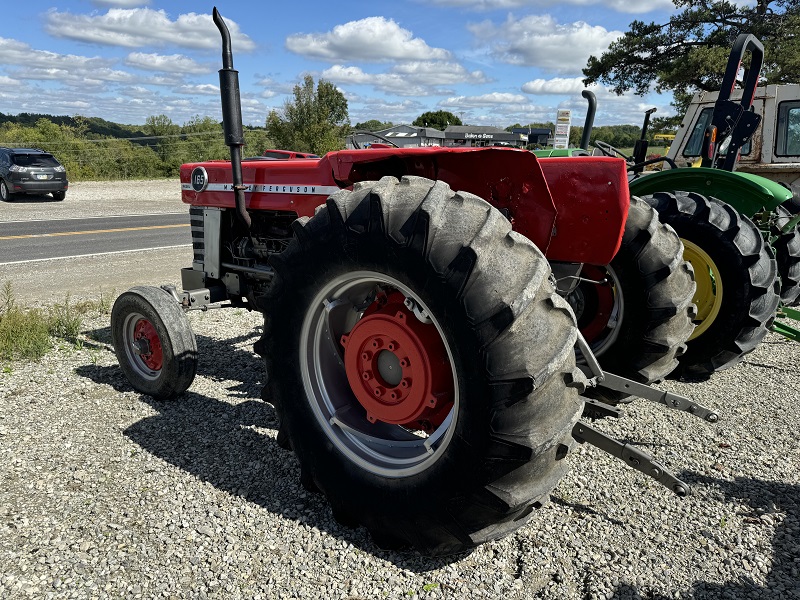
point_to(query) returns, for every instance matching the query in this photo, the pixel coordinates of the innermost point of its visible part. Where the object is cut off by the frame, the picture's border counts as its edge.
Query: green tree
(688, 53)
(372, 125)
(165, 144)
(439, 119)
(316, 121)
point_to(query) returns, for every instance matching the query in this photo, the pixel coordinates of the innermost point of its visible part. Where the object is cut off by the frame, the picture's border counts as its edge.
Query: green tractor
(741, 240)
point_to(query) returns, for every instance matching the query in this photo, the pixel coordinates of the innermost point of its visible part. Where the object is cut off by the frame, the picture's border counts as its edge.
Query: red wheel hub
(148, 344)
(398, 366)
(596, 324)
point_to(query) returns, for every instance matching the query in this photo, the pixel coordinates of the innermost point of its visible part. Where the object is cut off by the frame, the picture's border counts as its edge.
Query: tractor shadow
(232, 444)
(762, 497)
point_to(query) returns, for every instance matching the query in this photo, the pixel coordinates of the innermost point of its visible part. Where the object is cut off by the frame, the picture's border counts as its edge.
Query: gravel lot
(106, 493)
(93, 198)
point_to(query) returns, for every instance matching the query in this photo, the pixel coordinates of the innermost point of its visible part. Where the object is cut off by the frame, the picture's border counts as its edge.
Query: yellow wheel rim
(708, 296)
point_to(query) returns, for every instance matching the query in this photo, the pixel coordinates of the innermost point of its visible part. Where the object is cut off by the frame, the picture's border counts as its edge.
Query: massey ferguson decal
(198, 185)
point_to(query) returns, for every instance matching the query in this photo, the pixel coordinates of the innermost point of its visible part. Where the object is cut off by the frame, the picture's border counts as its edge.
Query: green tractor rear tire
(737, 280)
(787, 253)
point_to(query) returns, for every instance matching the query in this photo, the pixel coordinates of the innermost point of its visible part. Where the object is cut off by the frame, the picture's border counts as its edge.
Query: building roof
(410, 131)
(532, 130)
(473, 129)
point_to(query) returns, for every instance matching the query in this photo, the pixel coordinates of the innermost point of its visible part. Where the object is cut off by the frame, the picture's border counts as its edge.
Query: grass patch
(27, 333)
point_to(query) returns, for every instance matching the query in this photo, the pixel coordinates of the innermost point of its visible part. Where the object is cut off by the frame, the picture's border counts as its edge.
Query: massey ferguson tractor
(428, 349)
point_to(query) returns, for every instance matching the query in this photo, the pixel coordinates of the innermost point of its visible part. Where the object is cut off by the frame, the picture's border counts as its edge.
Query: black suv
(31, 171)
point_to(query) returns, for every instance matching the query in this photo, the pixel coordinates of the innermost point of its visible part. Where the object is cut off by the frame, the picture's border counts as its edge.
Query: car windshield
(34, 160)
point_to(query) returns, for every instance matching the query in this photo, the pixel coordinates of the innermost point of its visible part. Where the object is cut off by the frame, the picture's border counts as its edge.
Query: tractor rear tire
(787, 253)
(154, 342)
(488, 443)
(638, 321)
(736, 275)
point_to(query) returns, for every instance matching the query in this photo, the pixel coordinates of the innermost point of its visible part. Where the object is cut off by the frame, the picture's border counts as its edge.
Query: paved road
(48, 239)
(109, 262)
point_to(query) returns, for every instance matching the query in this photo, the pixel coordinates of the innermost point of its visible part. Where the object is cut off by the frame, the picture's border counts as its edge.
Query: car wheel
(5, 193)
(59, 195)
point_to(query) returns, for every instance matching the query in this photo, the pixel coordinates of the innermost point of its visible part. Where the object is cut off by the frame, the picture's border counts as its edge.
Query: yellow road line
(38, 235)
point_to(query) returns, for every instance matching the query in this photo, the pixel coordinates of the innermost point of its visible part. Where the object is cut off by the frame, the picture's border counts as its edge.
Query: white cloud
(80, 77)
(623, 6)
(174, 63)
(16, 53)
(272, 87)
(404, 111)
(121, 3)
(540, 41)
(374, 39)
(491, 100)
(417, 78)
(8, 82)
(203, 89)
(136, 27)
(557, 85)
(386, 82)
(438, 72)
(138, 91)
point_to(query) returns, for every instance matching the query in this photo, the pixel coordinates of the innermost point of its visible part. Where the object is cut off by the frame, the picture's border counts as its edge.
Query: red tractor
(421, 344)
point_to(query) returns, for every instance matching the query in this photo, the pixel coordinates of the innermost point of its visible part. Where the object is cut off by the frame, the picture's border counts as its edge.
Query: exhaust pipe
(232, 117)
(589, 122)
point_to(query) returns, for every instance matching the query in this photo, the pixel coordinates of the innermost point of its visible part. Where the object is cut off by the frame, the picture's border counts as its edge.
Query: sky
(490, 62)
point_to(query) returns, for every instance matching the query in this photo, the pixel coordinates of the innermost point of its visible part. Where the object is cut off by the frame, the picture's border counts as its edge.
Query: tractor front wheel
(154, 342)
(421, 364)
(736, 276)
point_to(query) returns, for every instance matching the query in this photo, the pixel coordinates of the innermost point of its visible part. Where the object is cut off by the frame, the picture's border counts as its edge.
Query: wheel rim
(365, 337)
(709, 294)
(3, 190)
(599, 307)
(143, 346)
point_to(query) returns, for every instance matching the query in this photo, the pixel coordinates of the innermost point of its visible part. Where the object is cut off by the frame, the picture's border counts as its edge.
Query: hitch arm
(631, 456)
(599, 377)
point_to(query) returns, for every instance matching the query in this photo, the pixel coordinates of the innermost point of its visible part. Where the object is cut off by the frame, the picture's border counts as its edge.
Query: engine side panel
(298, 185)
(592, 198)
(509, 179)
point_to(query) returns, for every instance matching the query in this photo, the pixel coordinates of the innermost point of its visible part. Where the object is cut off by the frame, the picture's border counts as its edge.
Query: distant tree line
(619, 136)
(96, 149)
(316, 120)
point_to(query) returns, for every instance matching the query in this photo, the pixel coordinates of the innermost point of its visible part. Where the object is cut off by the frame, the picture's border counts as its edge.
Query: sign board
(563, 122)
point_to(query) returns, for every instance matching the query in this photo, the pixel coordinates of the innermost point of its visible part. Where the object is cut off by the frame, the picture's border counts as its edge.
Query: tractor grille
(196, 222)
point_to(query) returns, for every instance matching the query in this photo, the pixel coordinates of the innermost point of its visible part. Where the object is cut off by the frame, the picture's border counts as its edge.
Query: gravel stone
(106, 493)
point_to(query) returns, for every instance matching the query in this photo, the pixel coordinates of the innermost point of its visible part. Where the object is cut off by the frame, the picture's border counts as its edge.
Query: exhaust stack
(589, 122)
(232, 117)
